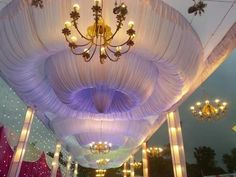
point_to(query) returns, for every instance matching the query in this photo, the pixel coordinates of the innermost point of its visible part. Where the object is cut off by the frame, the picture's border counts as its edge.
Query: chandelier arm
(77, 29)
(117, 29)
(77, 45)
(121, 52)
(120, 44)
(111, 59)
(90, 58)
(81, 52)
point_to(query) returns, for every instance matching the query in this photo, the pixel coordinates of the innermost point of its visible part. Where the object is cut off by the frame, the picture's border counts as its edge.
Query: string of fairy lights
(12, 113)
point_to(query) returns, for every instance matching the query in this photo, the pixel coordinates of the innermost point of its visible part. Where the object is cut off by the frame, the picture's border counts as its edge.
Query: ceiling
(169, 54)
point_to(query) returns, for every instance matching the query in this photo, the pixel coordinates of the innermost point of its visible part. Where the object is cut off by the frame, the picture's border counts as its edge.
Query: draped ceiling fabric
(121, 103)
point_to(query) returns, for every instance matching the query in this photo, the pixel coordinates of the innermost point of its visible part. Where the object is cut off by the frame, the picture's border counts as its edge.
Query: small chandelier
(208, 110)
(136, 165)
(154, 151)
(100, 173)
(99, 34)
(102, 162)
(100, 147)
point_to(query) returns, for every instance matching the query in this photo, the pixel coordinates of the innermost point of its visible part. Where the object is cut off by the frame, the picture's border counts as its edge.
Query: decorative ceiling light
(100, 173)
(234, 128)
(197, 8)
(154, 151)
(37, 3)
(102, 162)
(136, 165)
(100, 147)
(99, 35)
(209, 110)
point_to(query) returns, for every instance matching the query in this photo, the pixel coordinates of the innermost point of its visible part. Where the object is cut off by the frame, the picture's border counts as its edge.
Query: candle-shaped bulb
(97, 2)
(87, 51)
(76, 7)
(102, 50)
(74, 39)
(68, 24)
(131, 24)
(118, 49)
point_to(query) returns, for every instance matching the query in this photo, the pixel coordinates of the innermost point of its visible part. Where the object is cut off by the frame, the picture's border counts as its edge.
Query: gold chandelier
(209, 110)
(100, 147)
(99, 35)
(154, 151)
(136, 165)
(102, 162)
(100, 173)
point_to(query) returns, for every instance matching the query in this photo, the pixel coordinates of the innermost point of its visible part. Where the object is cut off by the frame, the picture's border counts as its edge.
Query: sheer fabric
(88, 102)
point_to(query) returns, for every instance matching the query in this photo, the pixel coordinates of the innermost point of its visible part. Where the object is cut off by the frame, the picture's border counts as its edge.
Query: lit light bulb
(97, 2)
(133, 36)
(76, 7)
(118, 49)
(217, 101)
(225, 104)
(198, 103)
(68, 24)
(207, 101)
(131, 24)
(87, 51)
(102, 50)
(192, 108)
(74, 39)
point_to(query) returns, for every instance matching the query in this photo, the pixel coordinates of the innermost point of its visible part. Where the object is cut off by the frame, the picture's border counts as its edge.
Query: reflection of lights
(208, 110)
(154, 151)
(136, 165)
(102, 162)
(100, 147)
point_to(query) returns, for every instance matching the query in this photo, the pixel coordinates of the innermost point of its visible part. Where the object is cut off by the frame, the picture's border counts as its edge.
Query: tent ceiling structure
(122, 103)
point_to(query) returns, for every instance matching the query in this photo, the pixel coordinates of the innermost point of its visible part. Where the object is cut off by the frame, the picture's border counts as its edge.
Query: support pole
(68, 166)
(132, 166)
(76, 170)
(176, 144)
(125, 169)
(18, 156)
(55, 161)
(145, 160)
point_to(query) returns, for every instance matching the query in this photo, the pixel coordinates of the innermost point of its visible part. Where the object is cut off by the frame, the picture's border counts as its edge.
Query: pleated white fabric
(89, 102)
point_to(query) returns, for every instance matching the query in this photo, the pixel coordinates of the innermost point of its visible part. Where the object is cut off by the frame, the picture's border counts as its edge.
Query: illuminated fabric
(118, 102)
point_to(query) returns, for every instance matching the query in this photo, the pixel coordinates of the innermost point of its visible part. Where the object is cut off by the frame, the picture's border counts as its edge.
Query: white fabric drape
(36, 62)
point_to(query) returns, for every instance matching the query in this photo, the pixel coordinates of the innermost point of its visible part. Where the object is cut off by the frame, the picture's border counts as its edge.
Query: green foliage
(205, 157)
(230, 161)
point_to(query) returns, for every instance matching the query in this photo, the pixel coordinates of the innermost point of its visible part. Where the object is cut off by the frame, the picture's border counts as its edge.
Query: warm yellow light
(234, 128)
(192, 108)
(207, 101)
(103, 52)
(76, 7)
(87, 51)
(74, 39)
(118, 49)
(198, 103)
(68, 24)
(217, 100)
(131, 24)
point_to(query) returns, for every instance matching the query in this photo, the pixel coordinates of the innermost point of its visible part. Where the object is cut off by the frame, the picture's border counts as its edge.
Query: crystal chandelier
(102, 162)
(154, 151)
(209, 110)
(136, 165)
(99, 35)
(100, 147)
